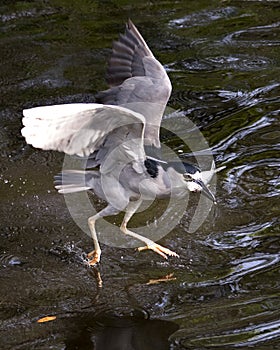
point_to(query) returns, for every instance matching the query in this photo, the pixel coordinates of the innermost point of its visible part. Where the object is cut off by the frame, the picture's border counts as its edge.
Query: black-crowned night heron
(120, 138)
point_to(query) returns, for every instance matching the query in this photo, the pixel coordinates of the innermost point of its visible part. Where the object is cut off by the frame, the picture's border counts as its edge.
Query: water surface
(224, 291)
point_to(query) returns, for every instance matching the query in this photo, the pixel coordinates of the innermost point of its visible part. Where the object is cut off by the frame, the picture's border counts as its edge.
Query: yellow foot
(93, 257)
(162, 251)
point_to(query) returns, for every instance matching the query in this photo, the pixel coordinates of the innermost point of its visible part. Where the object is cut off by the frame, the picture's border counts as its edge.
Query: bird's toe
(162, 251)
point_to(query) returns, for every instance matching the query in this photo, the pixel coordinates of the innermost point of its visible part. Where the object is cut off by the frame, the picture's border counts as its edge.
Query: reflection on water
(120, 331)
(223, 292)
(126, 329)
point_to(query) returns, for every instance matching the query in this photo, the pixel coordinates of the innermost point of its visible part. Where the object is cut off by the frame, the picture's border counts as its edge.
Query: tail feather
(70, 181)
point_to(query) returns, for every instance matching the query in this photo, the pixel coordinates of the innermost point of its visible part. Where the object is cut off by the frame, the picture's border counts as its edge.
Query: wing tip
(130, 24)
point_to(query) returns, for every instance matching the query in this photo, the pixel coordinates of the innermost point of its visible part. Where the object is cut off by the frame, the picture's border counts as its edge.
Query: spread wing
(85, 129)
(137, 81)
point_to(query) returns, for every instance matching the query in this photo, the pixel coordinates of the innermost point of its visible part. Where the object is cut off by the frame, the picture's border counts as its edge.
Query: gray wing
(87, 128)
(138, 81)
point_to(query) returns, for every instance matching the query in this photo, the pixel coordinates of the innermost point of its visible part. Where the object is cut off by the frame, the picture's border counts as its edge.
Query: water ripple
(240, 237)
(9, 260)
(236, 62)
(247, 336)
(33, 13)
(242, 133)
(203, 17)
(239, 269)
(254, 37)
(240, 62)
(249, 178)
(250, 98)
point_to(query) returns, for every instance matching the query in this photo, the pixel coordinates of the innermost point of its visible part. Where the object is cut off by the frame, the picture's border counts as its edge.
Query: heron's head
(193, 178)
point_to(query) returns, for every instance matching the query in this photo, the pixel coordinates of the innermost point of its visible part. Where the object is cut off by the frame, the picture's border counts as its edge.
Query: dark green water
(224, 292)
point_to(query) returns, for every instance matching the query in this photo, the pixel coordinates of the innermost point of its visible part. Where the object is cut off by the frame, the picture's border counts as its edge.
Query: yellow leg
(162, 251)
(94, 256)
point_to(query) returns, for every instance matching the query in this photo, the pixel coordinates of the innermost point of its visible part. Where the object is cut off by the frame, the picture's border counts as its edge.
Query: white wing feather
(76, 128)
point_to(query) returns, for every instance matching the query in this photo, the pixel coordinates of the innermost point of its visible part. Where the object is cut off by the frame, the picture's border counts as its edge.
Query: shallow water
(224, 290)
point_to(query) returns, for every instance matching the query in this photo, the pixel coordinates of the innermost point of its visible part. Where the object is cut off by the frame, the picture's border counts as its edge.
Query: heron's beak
(206, 191)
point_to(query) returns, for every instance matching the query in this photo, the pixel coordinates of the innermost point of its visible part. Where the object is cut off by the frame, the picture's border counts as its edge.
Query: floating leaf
(46, 319)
